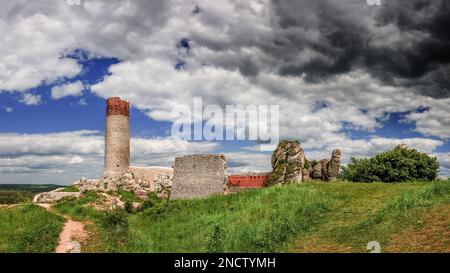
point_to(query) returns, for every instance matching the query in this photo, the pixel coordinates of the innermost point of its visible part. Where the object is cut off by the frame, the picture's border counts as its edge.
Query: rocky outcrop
(288, 161)
(54, 196)
(140, 180)
(107, 202)
(85, 185)
(333, 166)
(290, 165)
(401, 146)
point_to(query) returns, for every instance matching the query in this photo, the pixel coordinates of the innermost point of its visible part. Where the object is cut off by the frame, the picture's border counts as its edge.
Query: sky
(345, 75)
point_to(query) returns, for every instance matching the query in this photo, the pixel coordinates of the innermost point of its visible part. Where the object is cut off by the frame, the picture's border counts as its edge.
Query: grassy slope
(374, 212)
(253, 221)
(310, 217)
(28, 228)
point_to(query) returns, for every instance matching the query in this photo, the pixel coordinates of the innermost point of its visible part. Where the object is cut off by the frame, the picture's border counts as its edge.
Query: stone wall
(248, 180)
(199, 176)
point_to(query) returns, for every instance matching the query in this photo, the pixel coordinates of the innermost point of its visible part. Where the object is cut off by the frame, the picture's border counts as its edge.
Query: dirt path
(72, 235)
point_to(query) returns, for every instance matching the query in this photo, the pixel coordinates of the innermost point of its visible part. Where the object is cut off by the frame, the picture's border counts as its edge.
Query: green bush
(116, 219)
(397, 165)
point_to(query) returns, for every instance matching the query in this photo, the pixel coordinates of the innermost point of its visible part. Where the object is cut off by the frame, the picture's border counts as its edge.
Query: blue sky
(60, 63)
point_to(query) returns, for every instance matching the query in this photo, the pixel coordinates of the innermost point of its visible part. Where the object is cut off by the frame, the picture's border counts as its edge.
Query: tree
(397, 165)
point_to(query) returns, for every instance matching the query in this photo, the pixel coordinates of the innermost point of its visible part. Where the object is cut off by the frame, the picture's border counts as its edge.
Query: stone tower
(117, 138)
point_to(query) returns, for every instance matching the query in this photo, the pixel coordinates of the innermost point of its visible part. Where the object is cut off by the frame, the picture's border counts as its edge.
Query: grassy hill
(28, 228)
(307, 217)
(19, 193)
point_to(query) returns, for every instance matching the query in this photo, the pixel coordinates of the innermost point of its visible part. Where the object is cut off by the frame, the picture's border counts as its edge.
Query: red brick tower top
(117, 106)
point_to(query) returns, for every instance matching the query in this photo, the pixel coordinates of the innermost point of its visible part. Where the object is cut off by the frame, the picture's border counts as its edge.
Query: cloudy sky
(345, 74)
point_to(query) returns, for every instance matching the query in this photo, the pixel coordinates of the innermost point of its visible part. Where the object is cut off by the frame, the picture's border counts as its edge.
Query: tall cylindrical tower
(117, 138)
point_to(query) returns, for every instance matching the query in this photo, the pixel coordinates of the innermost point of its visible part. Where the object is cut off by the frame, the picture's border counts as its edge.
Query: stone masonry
(117, 138)
(199, 176)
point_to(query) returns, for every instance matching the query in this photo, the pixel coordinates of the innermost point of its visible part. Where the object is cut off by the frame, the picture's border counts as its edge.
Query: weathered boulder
(401, 146)
(290, 165)
(306, 174)
(163, 185)
(287, 161)
(54, 196)
(333, 165)
(140, 180)
(85, 185)
(317, 170)
(325, 169)
(106, 201)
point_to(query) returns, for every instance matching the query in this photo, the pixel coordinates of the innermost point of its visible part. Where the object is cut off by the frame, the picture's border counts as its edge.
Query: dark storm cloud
(322, 39)
(345, 41)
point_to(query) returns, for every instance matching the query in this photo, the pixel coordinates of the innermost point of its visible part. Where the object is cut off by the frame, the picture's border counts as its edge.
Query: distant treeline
(19, 193)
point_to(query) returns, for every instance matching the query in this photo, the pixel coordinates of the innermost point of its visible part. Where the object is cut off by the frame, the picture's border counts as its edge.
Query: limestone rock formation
(401, 146)
(333, 165)
(54, 196)
(288, 161)
(140, 180)
(85, 185)
(290, 165)
(107, 202)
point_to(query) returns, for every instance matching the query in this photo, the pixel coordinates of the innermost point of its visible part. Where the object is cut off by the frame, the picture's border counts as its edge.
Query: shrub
(397, 165)
(128, 207)
(116, 219)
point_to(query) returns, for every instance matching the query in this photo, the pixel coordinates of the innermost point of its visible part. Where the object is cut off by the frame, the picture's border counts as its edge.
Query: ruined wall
(153, 175)
(248, 180)
(117, 138)
(199, 176)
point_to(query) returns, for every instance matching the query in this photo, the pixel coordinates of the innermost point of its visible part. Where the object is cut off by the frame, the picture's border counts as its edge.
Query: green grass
(251, 221)
(78, 209)
(396, 215)
(307, 217)
(70, 189)
(371, 212)
(29, 228)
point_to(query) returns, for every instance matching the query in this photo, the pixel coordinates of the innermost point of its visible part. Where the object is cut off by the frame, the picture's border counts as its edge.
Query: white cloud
(144, 35)
(349, 147)
(444, 161)
(70, 89)
(248, 162)
(31, 99)
(32, 43)
(79, 153)
(7, 109)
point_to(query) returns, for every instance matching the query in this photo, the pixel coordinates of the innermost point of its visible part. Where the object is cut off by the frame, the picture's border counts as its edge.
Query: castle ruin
(191, 176)
(117, 138)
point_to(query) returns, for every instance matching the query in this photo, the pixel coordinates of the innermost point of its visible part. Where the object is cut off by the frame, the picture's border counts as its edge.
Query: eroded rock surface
(290, 165)
(288, 161)
(53, 196)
